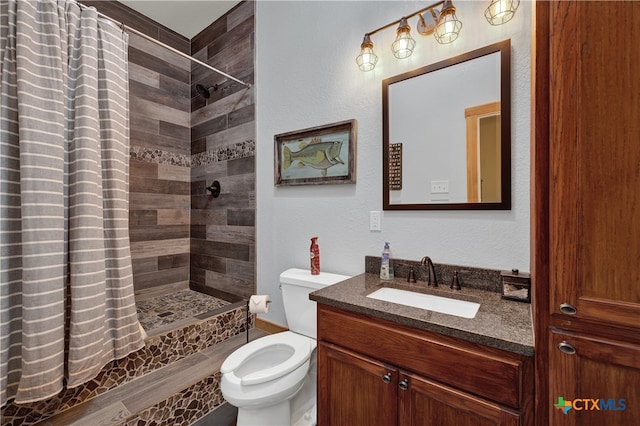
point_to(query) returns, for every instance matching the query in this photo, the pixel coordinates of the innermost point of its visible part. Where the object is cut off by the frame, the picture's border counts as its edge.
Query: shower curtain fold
(66, 296)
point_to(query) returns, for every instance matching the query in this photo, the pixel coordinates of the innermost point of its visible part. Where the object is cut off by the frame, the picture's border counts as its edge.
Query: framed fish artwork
(317, 155)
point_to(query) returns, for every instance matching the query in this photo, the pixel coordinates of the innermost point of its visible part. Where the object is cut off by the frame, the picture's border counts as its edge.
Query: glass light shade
(404, 44)
(501, 11)
(366, 60)
(448, 28)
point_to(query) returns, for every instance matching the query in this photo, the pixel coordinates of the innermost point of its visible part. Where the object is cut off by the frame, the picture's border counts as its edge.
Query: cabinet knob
(566, 348)
(568, 309)
(404, 384)
(386, 378)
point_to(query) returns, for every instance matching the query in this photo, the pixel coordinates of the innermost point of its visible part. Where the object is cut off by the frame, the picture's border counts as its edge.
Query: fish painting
(317, 154)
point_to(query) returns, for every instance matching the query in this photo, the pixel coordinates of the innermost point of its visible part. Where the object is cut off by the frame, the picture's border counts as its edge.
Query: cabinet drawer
(492, 373)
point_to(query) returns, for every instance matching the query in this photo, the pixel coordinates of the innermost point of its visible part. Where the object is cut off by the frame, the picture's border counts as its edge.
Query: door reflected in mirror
(483, 153)
(447, 126)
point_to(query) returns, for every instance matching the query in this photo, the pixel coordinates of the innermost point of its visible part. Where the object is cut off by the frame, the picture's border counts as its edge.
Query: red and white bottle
(314, 252)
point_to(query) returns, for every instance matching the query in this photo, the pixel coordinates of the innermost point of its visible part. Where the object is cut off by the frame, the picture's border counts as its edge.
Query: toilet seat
(301, 348)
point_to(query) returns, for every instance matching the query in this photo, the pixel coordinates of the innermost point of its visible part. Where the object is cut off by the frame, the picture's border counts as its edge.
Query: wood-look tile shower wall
(223, 149)
(159, 104)
(180, 143)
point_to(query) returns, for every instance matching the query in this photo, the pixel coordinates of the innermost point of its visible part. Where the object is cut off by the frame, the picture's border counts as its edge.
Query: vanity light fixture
(501, 11)
(443, 24)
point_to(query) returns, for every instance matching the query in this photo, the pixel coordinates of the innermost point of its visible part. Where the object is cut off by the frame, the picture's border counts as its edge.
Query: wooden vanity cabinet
(355, 389)
(426, 402)
(376, 372)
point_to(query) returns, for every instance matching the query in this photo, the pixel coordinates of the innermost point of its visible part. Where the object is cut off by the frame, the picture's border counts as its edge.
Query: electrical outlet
(439, 186)
(375, 221)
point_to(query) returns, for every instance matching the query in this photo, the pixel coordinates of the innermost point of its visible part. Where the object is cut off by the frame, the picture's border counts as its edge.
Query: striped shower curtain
(66, 303)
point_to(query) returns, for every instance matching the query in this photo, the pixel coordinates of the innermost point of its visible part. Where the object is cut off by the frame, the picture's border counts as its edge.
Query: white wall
(306, 76)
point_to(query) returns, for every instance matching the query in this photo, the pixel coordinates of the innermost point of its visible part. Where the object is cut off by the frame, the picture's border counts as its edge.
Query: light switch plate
(375, 221)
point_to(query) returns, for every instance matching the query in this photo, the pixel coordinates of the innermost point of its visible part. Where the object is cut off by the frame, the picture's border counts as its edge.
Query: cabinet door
(595, 160)
(354, 389)
(425, 402)
(600, 381)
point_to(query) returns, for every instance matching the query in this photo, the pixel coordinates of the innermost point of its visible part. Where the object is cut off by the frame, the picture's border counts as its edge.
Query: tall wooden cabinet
(586, 211)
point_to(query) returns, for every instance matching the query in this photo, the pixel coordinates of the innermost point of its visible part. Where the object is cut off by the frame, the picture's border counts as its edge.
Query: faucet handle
(455, 283)
(411, 278)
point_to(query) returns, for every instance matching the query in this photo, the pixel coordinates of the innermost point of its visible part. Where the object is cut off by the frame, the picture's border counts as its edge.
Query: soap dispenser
(386, 266)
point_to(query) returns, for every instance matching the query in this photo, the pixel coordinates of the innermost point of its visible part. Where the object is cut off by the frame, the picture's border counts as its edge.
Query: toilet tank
(299, 310)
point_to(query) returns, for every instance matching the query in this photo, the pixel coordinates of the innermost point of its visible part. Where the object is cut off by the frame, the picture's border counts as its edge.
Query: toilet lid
(302, 347)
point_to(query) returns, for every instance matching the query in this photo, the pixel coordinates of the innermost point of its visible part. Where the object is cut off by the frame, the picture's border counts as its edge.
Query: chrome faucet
(432, 281)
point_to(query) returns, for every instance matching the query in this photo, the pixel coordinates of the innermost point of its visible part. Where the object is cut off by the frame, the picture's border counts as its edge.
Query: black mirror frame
(504, 47)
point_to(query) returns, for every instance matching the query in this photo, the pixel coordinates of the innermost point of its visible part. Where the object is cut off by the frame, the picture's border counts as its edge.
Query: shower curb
(178, 394)
(160, 351)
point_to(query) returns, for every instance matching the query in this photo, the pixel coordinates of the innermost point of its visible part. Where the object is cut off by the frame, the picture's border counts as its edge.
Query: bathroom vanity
(382, 363)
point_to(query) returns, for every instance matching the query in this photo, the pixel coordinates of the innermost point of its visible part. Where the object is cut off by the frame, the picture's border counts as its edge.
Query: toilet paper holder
(267, 302)
(259, 303)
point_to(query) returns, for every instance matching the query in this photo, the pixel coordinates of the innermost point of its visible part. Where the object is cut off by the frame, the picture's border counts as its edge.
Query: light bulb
(366, 60)
(449, 25)
(501, 11)
(403, 46)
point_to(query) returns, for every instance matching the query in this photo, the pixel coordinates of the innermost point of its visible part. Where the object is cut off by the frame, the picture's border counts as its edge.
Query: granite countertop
(499, 323)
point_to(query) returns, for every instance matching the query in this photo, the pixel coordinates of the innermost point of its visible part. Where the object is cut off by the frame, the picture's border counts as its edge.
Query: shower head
(205, 92)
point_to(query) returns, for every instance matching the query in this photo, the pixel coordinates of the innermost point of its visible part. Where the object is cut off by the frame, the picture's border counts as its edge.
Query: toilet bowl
(272, 380)
(267, 373)
(259, 371)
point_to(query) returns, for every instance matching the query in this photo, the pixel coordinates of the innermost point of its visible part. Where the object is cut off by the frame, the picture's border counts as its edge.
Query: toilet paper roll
(259, 304)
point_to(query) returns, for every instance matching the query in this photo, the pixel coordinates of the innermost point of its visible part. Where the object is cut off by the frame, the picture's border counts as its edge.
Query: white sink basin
(444, 305)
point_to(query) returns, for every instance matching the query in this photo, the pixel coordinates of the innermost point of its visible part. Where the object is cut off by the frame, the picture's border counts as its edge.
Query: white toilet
(272, 380)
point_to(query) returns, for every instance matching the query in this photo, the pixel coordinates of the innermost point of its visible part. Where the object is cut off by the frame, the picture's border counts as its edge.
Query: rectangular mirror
(447, 134)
